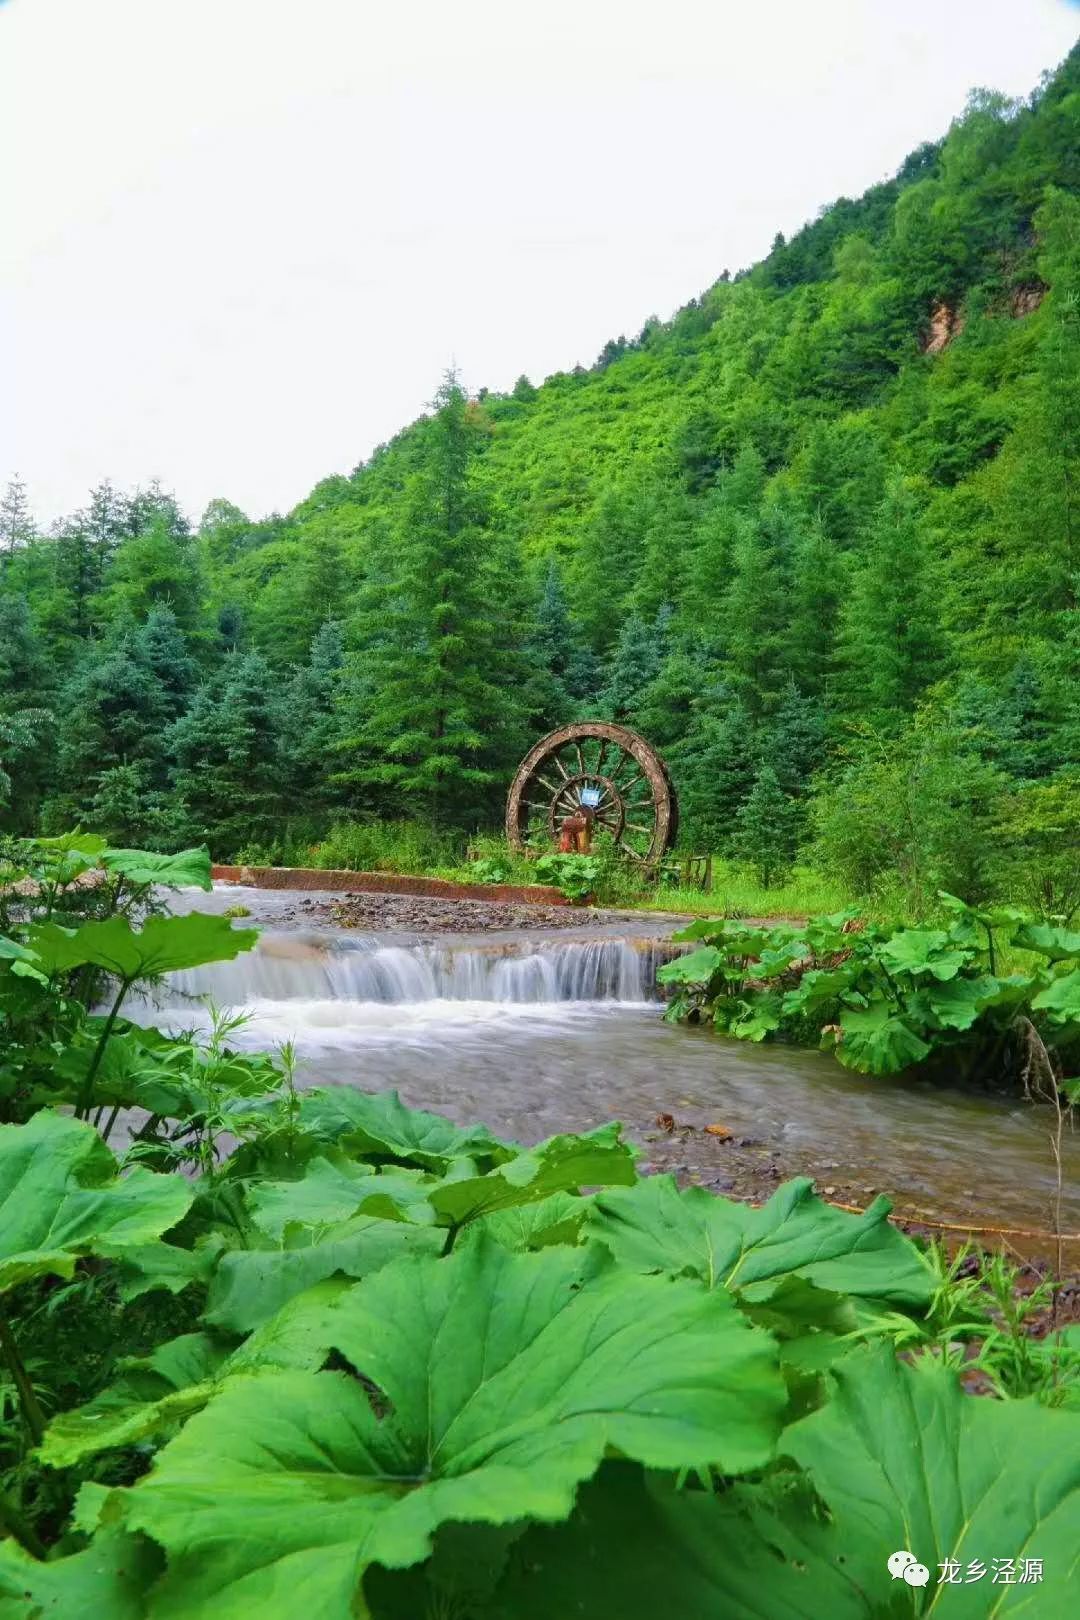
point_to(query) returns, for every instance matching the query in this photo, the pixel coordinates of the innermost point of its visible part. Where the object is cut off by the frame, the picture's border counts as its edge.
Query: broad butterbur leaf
(189, 869)
(157, 1392)
(561, 1163)
(900, 1458)
(923, 950)
(162, 945)
(60, 1198)
(655, 1227)
(874, 1040)
(696, 967)
(378, 1125)
(1061, 999)
(1048, 939)
(333, 1188)
(504, 1379)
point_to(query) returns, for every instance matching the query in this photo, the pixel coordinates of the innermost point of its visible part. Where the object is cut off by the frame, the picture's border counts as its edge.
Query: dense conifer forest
(817, 536)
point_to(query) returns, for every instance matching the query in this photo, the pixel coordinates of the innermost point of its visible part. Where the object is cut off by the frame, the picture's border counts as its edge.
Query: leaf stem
(82, 1108)
(12, 1521)
(31, 1409)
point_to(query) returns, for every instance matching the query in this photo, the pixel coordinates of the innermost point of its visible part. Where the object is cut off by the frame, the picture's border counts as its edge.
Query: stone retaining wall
(311, 877)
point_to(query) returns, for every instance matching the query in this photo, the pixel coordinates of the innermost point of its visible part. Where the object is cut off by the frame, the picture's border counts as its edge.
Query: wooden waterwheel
(604, 769)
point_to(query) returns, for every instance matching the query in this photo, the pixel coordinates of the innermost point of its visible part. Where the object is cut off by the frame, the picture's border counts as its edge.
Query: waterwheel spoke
(580, 759)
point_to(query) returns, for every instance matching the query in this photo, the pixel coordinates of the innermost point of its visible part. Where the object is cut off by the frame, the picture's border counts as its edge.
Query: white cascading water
(321, 992)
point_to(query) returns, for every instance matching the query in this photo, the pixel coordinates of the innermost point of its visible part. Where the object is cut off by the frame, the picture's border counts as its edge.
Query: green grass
(736, 892)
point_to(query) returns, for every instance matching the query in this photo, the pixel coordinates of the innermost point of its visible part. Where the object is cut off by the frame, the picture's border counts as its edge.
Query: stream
(536, 1033)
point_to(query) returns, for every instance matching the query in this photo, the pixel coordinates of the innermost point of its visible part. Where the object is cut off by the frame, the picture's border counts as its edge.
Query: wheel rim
(637, 809)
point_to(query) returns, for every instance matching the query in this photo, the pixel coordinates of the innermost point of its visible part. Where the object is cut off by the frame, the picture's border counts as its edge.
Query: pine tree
(756, 608)
(819, 576)
(635, 663)
(161, 647)
(157, 566)
(311, 723)
(113, 711)
(714, 769)
(226, 753)
(608, 563)
(16, 524)
(566, 677)
(793, 744)
(767, 828)
(441, 652)
(890, 647)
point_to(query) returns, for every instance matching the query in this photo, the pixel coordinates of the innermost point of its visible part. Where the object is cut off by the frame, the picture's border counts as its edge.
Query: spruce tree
(440, 638)
(768, 828)
(635, 663)
(714, 769)
(890, 645)
(311, 723)
(226, 755)
(16, 523)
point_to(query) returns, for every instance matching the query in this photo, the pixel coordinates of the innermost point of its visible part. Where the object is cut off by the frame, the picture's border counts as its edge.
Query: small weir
(288, 967)
(538, 1033)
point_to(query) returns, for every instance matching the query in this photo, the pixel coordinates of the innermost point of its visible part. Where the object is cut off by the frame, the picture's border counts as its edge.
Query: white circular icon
(899, 1562)
(916, 1574)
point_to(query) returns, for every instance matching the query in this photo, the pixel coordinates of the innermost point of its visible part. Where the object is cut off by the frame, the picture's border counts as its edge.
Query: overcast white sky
(243, 238)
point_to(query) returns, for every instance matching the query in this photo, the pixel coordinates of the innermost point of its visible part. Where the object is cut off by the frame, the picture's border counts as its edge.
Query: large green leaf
(560, 1164)
(905, 1459)
(162, 945)
(333, 1188)
(655, 1227)
(956, 1003)
(696, 967)
(1048, 939)
(60, 1197)
(902, 1459)
(252, 1284)
(923, 950)
(636, 1546)
(1061, 999)
(874, 1040)
(503, 1378)
(190, 869)
(379, 1125)
(152, 1393)
(556, 1219)
(107, 1581)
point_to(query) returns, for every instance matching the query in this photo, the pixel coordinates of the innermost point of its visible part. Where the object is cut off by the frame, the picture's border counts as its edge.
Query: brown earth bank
(313, 877)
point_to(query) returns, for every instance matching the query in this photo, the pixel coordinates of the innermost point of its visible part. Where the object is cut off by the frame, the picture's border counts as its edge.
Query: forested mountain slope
(818, 536)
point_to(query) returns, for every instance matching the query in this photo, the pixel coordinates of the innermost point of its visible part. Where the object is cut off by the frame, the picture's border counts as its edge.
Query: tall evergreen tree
(635, 663)
(890, 644)
(16, 523)
(443, 656)
(226, 754)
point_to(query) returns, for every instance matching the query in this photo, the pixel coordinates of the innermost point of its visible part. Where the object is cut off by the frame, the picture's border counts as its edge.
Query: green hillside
(818, 536)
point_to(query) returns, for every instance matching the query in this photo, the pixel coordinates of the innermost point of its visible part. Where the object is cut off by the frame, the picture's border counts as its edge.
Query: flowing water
(538, 1034)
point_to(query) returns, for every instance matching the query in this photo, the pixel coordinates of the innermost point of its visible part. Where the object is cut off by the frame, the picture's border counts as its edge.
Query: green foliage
(387, 846)
(884, 1000)
(575, 875)
(416, 1369)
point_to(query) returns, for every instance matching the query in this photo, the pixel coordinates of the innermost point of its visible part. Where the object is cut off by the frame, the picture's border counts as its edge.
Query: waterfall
(287, 968)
